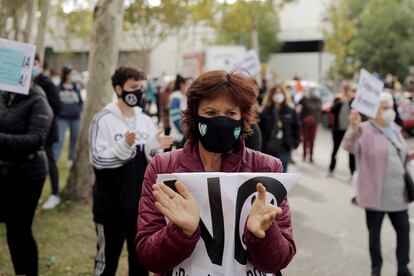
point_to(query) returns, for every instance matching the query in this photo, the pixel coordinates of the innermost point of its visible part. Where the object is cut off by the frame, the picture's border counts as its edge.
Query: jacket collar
(231, 162)
(396, 128)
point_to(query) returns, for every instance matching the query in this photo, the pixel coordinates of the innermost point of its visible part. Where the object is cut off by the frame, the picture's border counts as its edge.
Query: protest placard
(224, 201)
(248, 61)
(16, 63)
(368, 93)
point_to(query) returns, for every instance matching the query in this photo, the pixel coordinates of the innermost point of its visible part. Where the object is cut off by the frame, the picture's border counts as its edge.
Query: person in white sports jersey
(121, 139)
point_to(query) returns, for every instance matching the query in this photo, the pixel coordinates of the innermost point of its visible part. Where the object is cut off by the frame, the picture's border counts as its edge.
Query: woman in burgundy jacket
(219, 115)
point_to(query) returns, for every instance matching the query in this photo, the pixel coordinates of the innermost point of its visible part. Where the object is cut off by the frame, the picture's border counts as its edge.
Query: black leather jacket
(24, 126)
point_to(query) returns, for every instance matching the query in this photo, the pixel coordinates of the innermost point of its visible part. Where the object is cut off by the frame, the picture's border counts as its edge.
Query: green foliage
(78, 22)
(239, 20)
(375, 34)
(338, 39)
(386, 37)
(268, 29)
(202, 10)
(152, 24)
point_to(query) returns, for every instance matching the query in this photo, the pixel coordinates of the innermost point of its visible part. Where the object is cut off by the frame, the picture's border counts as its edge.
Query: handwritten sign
(16, 63)
(224, 201)
(367, 98)
(248, 61)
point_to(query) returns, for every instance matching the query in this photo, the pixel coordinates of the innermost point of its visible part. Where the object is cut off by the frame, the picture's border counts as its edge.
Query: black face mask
(132, 98)
(218, 134)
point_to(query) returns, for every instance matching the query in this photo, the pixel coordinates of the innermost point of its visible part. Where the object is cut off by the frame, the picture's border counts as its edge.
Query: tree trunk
(16, 22)
(254, 36)
(42, 27)
(3, 18)
(31, 13)
(103, 57)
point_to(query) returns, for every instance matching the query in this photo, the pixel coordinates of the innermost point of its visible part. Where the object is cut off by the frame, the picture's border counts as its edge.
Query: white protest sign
(368, 93)
(225, 199)
(248, 61)
(16, 63)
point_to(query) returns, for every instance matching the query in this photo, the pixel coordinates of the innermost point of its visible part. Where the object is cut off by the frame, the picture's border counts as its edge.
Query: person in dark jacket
(310, 115)
(280, 125)
(254, 141)
(217, 118)
(24, 126)
(341, 109)
(70, 114)
(52, 95)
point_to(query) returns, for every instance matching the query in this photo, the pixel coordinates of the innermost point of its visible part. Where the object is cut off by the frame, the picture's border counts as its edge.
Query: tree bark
(103, 57)
(254, 36)
(42, 27)
(31, 13)
(3, 18)
(16, 22)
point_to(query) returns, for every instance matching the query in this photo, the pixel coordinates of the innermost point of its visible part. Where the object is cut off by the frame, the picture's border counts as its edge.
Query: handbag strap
(404, 162)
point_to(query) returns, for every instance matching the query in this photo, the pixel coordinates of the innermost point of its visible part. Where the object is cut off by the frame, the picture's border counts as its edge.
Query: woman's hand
(180, 208)
(354, 120)
(262, 214)
(164, 141)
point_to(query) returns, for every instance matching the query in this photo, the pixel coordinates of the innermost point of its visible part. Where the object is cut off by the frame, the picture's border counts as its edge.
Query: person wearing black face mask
(132, 98)
(218, 117)
(121, 141)
(280, 125)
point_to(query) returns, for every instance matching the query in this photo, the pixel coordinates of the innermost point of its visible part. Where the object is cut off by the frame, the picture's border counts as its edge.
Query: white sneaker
(51, 202)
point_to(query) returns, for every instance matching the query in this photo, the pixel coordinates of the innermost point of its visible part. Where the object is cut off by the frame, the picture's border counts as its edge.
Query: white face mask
(278, 98)
(389, 116)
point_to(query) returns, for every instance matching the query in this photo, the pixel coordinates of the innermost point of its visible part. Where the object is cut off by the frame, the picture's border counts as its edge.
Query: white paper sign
(16, 63)
(368, 93)
(248, 61)
(225, 199)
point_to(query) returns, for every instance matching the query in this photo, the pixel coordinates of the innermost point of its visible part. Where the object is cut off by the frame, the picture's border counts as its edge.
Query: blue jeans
(285, 158)
(63, 125)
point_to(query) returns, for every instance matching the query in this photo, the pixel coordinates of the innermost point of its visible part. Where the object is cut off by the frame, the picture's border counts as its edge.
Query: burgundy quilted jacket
(161, 247)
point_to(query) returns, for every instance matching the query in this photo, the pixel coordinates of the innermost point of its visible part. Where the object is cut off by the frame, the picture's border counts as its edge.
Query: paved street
(330, 233)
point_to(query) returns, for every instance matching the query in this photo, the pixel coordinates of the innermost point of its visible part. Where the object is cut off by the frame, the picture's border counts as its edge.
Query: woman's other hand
(262, 214)
(180, 208)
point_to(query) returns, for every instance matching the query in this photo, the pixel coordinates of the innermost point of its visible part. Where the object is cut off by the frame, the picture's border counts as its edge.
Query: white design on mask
(202, 128)
(131, 99)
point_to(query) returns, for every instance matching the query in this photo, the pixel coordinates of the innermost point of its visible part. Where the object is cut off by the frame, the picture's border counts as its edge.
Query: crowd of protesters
(217, 122)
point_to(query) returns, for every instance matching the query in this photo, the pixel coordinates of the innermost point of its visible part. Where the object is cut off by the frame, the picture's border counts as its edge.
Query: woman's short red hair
(239, 88)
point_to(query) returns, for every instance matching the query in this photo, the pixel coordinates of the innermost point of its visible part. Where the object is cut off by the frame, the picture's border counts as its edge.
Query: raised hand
(130, 138)
(164, 141)
(180, 208)
(354, 119)
(262, 214)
